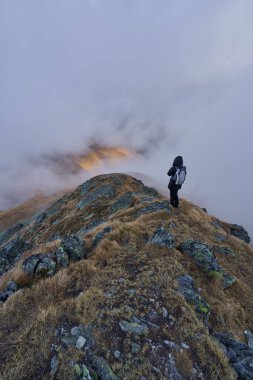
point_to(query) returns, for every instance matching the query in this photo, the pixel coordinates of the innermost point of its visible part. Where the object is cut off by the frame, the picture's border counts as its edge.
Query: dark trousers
(174, 197)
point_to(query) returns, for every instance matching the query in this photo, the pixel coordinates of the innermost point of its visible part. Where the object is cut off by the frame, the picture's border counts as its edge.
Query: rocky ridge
(112, 283)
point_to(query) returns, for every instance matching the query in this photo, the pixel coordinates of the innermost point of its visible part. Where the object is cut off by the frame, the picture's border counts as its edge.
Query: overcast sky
(166, 77)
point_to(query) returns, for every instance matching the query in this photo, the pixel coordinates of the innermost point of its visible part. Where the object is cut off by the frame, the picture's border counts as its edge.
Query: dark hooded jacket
(178, 163)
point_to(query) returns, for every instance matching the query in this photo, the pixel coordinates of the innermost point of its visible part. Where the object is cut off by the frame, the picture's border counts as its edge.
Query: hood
(178, 161)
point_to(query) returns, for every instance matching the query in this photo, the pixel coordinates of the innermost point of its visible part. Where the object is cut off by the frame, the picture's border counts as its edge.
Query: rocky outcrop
(39, 265)
(205, 259)
(187, 289)
(74, 247)
(163, 238)
(239, 232)
(240, 355)
(6, 235)
(11, 288)
(11, 252)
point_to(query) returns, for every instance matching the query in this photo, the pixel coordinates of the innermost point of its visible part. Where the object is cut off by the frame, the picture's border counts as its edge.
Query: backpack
(180, 175)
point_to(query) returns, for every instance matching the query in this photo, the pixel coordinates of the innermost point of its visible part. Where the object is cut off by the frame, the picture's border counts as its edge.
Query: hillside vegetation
(111, 283)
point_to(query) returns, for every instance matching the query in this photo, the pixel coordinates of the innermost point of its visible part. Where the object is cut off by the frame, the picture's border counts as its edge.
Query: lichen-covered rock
(187, 289)
(125, 201)
(224, 251)
(206, 260)
(203, 256)
(89, 227)
(153, 207)
(11, 252)
(228, 280)
(103, 192)
(100, 235)
(30, 264)
(74, 247)
(103, 369)
(39, 265)
(62, 258)
(11, 288)
(45, 268)
(52, 210)
(239, 232)
(240, 355)
(134, 327)
(163, 238)
(6, 235)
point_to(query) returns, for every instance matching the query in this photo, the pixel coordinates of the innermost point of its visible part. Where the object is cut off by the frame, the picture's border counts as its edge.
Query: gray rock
(185, 346)
(89, 227)
(117, 354)
(163, 238)
(12, 286)
(239, 232)
(126, 201)
(6, 235)
(202, 255)
(220, 237)
(133, 327)
(46, 267)
(54, 365)
(187, 289)
(171, 344)
(76, 330)
(165, 312)
(80, 342)
(135, 348)
(153, 207)
(240, 355)
(224, 251)
(62, 258)
(11, 252)
(74, 247)
(103, 192)
(5, 295)
(100, 235)
(228, 280)
(30, 264)
(249, 337)
(103, 369)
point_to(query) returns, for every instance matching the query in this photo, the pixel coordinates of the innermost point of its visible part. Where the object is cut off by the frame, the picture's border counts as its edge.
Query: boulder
(240, 355)
(45, 268)
(30, 264)
(39, 265)
(239, 232)
(163, 238)
(74, 247)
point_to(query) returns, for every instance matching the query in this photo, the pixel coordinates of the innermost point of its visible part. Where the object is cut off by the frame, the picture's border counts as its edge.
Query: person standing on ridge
(178, 174)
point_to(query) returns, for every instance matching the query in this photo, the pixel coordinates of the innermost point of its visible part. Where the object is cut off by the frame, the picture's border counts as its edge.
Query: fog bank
(162, 78)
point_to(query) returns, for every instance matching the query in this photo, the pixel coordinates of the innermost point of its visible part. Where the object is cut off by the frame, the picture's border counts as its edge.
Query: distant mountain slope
(27, 210)
(110, 282)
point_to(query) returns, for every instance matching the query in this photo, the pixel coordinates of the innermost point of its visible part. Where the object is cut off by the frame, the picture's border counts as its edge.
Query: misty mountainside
(110, 282)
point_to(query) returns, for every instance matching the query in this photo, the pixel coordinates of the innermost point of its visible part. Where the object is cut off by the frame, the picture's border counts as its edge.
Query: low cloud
(162, 78)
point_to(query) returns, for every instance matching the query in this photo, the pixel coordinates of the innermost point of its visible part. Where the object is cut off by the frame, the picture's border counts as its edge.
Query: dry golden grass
(77, 295)
(27, 210)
